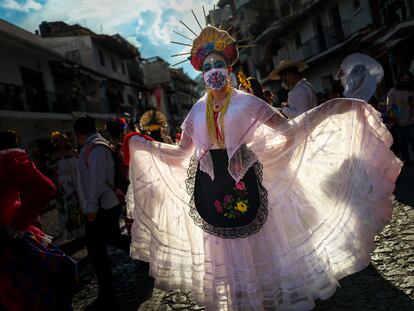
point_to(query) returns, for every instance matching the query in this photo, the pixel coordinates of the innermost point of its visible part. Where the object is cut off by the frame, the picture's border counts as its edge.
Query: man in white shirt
(301, 96)
(102, 208)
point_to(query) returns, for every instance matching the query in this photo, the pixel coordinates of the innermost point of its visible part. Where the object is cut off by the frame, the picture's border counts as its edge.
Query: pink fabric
(329, 174)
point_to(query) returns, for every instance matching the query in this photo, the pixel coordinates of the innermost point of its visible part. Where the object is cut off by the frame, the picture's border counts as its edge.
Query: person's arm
(35, 192)
(98, 161)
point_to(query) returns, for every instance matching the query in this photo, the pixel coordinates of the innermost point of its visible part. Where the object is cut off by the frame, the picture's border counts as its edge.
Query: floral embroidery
(241, 206)
(240, 185)
(234, 207)
(219, 207)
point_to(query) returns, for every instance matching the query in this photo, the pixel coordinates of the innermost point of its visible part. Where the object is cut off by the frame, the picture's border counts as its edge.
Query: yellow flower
(241, 206)
(220, 45)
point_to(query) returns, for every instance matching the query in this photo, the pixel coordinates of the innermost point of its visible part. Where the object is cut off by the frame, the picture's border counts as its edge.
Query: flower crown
(212, 40)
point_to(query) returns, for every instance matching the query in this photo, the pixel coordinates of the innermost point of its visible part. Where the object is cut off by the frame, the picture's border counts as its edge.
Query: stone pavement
(386, 285)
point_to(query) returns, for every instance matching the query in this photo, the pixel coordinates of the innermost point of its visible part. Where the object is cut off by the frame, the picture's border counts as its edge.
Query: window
(113, 63)
(74, 56)
(357, 4)
(123, 67)
(101, 58)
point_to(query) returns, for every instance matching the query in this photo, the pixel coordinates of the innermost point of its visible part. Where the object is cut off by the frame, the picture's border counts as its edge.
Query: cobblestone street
(386, 285)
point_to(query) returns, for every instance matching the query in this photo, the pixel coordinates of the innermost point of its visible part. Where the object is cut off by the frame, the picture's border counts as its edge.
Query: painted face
(215, 71)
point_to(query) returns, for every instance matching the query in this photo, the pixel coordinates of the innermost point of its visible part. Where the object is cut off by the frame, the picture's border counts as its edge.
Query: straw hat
(360, 75)
(285, 64)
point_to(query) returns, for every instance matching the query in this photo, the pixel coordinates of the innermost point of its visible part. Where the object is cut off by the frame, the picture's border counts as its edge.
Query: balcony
(19, 98)
(290, 7)
(326, 40)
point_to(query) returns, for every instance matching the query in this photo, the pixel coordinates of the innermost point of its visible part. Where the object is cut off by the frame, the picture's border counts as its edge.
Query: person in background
(65, 166)
(153, 123)
(301, 96)
(116, 130)
(400, 102)
(34, 275)
(102, 208)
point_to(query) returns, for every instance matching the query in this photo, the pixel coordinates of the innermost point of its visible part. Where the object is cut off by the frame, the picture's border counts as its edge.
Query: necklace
(216, 137)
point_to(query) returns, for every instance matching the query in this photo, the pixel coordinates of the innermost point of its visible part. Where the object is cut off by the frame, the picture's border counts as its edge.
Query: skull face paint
(215, 71)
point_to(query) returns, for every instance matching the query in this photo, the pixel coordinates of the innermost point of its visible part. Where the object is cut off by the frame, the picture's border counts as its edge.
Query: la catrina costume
(255, 212)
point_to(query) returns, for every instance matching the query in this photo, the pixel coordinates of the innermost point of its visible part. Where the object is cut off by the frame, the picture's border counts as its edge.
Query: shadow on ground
(365, 291)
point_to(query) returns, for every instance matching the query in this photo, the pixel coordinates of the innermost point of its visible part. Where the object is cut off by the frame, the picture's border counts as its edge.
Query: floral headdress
(56, 136)
(153, 120)
(211, 39)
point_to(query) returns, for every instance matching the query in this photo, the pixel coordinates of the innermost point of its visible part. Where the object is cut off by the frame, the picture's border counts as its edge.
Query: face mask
(216, 79)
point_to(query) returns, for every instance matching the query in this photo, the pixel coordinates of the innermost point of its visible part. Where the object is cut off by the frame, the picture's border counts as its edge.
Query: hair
(57, 137)
(8, 139)
(114, 129)
(292, 70)
(257, 88)
(85, 126)
(156, 135)
(399, 84)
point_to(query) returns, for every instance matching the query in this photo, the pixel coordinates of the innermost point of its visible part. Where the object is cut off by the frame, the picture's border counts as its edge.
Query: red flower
(230, 52)
(240, 185)
(196, 62)
(219, 207)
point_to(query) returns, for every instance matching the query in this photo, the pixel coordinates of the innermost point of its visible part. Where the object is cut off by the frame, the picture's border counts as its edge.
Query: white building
(27, 88)
(106, 55)
(46, 83)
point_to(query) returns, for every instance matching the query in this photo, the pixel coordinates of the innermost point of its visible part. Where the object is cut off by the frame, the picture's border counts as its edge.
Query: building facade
(47, 82)
(321, 33)
(173, 91)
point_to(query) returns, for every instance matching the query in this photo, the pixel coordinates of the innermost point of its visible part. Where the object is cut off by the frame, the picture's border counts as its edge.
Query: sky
(148, 24)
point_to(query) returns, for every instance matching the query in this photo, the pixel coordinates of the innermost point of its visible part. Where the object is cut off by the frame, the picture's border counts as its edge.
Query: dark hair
(114, 129)
(400, 84)
(8, 140)
(156, 135)
(293, 70)
(84, 126)
(257, 88)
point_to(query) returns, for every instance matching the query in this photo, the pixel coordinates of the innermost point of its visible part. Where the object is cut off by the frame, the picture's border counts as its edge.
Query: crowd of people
(230, 243)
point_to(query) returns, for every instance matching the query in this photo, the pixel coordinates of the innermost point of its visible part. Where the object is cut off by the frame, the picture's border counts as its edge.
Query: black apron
(223, 207)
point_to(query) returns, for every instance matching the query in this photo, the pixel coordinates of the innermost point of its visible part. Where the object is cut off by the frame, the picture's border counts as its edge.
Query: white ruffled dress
(329, 175)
